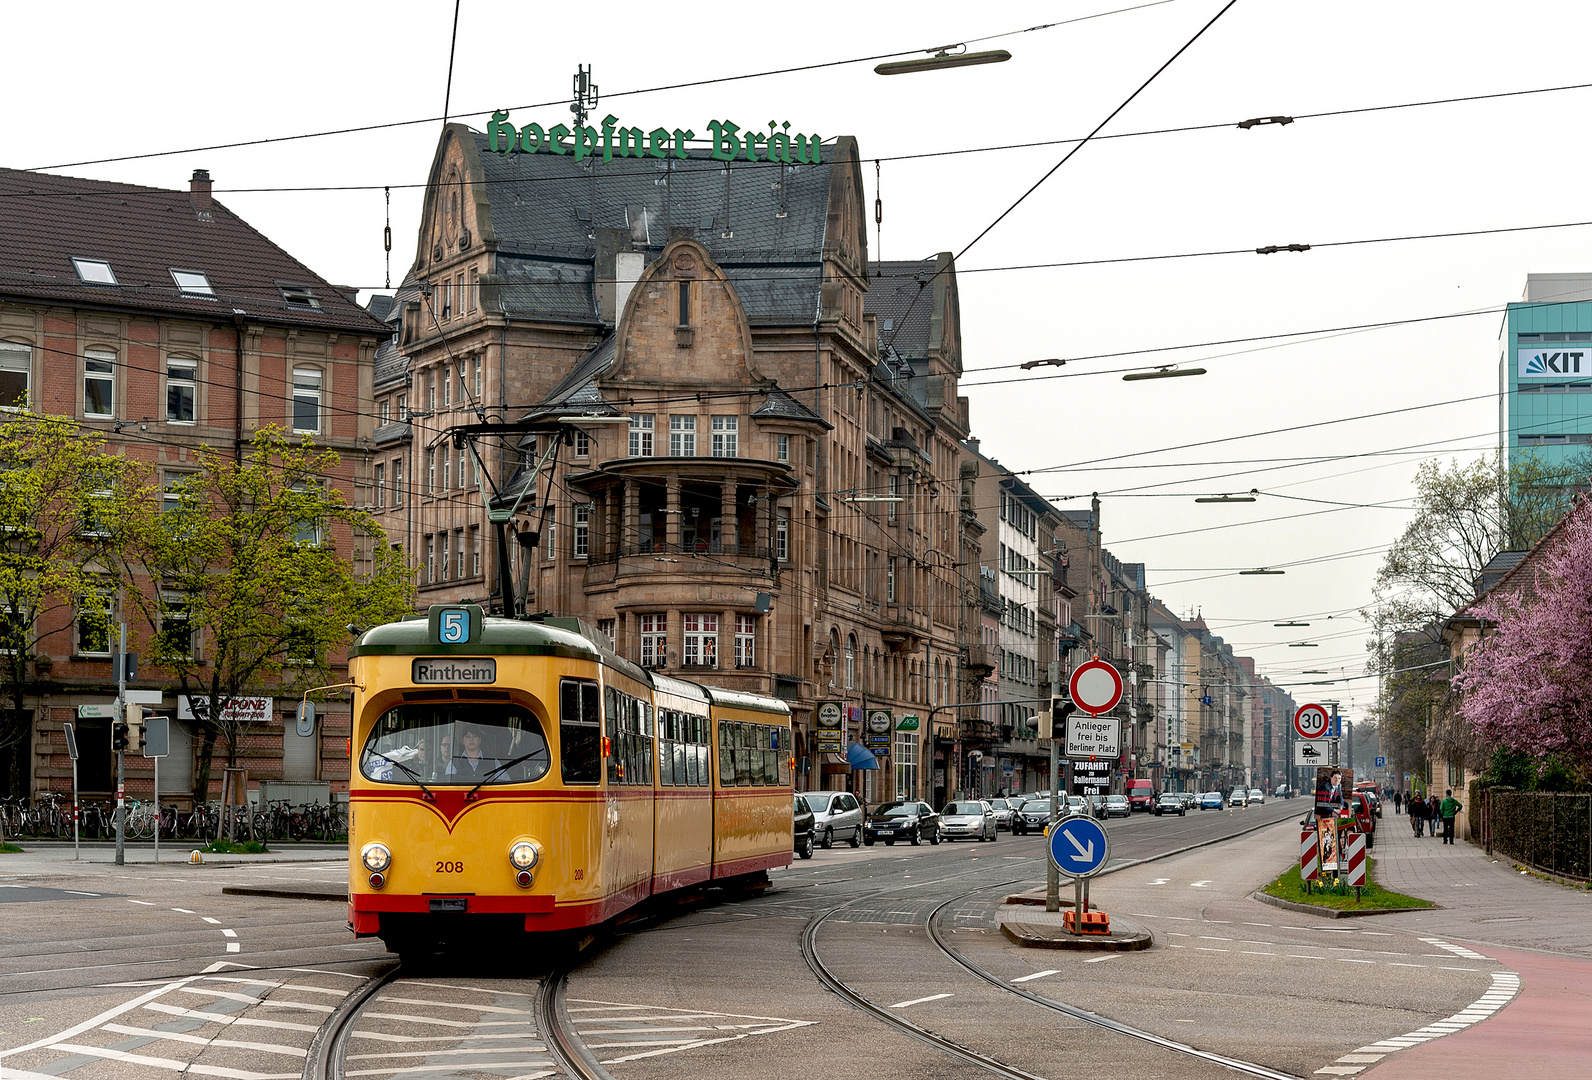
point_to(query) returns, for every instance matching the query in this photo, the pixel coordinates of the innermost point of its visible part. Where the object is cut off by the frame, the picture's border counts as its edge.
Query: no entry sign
(1096, 687)
(1311, 721)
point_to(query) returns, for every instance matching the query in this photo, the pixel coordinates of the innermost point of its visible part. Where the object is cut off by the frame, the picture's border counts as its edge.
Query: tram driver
(469, 763)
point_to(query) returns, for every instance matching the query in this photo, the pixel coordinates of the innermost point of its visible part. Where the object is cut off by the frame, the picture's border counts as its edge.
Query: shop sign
(831, 739)
(1552, 363)
(908, 723)
(878, 730)
(729, 141)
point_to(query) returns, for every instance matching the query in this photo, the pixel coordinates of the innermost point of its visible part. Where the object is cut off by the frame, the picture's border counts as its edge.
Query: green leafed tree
(62, 498)
(253, 571)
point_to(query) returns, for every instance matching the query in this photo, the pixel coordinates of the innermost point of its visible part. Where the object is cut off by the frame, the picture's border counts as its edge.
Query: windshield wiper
(488, 778)
(430, 795)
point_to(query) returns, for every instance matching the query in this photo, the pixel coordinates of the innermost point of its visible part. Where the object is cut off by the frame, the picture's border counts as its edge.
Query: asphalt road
(157, 972)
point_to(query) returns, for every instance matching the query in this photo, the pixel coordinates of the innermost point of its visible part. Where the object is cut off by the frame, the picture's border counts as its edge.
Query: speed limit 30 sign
(1311, 721)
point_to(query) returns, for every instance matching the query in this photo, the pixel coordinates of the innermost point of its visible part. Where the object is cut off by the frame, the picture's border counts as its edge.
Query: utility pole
(121, 718)
(1052, 875)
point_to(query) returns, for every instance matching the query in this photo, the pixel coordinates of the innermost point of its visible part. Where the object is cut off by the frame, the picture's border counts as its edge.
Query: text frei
(729, 141)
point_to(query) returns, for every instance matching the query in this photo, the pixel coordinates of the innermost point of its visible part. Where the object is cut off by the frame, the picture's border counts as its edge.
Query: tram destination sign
(435, 670)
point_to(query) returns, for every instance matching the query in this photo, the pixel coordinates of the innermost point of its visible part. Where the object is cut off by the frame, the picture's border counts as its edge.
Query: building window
(654, 640)
(892, 489)
(182, 386)
(99, 383)
(475, 551)
(782, 539)
(172, 490)
(447, 465)
(93, 625)
(397, 481)
(300, 296)
(458, 546)
(889, 580)
(906, 764)
(16, 370)
(94, 271)
(582, 530)
(782, 448)
(447, 387)
(403, 407)
(193, 283)
(176, 631)
(477, 365)
(381, 486)
(447, 299)
(431, 393)
(385, 415)
(745, 641)
(307, 399)
(431, 559)
(682, 436)
(306, 530)
(851, 661)
(582, 444)
(463, 459)
(606, 627)
(685, 303)
(701, 641)
(725, 435)
(641, 436)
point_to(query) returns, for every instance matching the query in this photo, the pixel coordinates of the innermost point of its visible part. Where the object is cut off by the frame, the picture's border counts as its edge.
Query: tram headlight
(376, 857)
(524, 856)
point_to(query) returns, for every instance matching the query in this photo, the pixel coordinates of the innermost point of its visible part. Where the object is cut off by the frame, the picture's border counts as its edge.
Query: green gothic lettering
(729, 142)
(726, 147)
(498, 129)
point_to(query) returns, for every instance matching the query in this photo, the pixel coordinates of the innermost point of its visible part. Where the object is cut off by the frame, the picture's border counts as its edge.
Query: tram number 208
(450, 867)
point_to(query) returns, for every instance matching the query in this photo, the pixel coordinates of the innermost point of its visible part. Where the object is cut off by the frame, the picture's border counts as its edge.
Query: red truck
(1141, 795)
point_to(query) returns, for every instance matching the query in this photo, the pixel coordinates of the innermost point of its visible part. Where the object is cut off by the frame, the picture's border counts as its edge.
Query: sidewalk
(45, 856)
(1543, 1033)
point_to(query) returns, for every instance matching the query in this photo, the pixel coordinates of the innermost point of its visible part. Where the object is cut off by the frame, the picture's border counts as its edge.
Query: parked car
(803, 825)
(1097, 805)
(1191, 799)
(1283, 792)
(1170, 802)
(1368, 787)
(837, 815)
(1211, 800)
(1239, 797)
(1257, 796)
(911, 821)
(1360, 802)
(1004, 809)
(1118, 806)
(1032, 816)
(969, 820)
(1140, 795)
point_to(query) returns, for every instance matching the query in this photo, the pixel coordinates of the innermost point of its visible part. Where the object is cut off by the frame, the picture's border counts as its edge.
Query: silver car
(837, 815)
(1004, 810)
(968, 820)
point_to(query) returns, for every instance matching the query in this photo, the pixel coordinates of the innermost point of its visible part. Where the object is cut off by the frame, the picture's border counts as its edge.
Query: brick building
(760, 489)
(163, 321)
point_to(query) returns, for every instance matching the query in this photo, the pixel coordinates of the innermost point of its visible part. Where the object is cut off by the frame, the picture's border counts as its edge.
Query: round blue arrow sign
(1079, 846)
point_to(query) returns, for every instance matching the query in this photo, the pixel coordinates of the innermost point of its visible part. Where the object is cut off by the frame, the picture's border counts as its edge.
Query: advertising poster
(877, 734)
(1330, 785)
(830, 735)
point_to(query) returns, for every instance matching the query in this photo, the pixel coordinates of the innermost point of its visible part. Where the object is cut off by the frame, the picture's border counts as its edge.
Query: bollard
(196, 857)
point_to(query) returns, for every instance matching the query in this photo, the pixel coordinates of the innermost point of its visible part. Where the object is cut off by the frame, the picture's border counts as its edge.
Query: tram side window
(756, 735)
(785, 747)
(667, 734)
(579, 730)
(642, 723)
(770, 755)
(726, 754)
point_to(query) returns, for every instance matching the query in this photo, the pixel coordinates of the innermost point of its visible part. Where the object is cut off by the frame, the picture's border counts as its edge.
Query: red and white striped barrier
(1354, 853)
(1309, 855)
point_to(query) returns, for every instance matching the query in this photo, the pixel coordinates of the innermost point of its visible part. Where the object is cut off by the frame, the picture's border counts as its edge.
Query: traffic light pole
(1052, 875)
(121, 717)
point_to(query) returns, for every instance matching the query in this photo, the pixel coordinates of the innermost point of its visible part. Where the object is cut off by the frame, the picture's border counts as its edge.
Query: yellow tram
(515, 774)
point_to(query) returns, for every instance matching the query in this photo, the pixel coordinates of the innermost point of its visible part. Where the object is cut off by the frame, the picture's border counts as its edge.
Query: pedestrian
(1448, 809)
(1432, 807)
(1418, 815)
(1398, 799)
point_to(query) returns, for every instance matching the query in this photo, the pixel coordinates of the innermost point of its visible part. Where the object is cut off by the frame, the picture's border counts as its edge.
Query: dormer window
(193, 283)
(300, 296)
(94, 271)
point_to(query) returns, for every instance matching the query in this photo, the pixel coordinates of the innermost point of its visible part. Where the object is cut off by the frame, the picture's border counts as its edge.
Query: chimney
(199, 192)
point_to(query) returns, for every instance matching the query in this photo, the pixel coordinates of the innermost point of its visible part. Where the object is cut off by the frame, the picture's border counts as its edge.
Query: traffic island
(308, 891)
(1044, 930)
(1288, 891)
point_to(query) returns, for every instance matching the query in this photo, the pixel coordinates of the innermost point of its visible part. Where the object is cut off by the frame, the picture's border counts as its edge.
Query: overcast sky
(105, 80)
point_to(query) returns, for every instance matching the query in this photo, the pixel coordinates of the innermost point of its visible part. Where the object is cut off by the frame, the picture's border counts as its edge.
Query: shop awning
(859, 756)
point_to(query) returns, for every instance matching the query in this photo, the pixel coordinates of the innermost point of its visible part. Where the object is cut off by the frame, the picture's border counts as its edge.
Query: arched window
(851, 660)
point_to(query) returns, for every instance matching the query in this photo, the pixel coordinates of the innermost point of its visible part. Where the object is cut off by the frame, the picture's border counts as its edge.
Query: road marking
(1199, 884)
(1392, 964)
(233, 946)
(1247, 952)
(79, 892)
(177, 1036)
(208, 919)
(168, 1063)
(145, 903)
(452, 1005)
(224, 1018)
(1160, 881)
(229, 933)
(1036, 975)
(1265, 924)
(183, 910)
(1301, 956)
(1202, 948)
(1506, 984)
(919, 1001)
(1108, 956)
(1351, 960)
(1207, 937)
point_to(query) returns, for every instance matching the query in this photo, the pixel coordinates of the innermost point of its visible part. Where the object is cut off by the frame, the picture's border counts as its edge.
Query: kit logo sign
(1545, 363)
(729, 141)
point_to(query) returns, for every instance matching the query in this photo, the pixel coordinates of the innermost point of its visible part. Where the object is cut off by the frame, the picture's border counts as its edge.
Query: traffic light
(134, 728)
(1053, 725)
(118, 736)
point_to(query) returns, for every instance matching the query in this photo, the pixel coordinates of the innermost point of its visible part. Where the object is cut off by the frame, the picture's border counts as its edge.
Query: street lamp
(1162, 373)
(1250, 497)
(1261, 570)
(944, 59)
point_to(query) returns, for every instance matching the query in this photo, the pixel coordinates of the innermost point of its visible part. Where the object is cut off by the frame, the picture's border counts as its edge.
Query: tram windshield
(447, 743)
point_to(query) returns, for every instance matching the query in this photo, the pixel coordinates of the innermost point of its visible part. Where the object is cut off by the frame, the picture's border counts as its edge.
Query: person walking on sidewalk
(1417, 815)
(1432, 806)
(1448, 809)
(1398, 800)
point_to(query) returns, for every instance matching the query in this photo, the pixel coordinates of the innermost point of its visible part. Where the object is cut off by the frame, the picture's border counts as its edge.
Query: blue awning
(859, 756)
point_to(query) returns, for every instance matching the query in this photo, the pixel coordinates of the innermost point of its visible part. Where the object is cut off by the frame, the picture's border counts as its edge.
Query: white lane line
(1248, 952)
(233, 946)
(168, 1063)
(919, 1001)
(144, 903)
(208, 919)
(227, 1018)
(380, 1036)
(704, 1042)
(1098, 959)
(229, 933)
(452, 1005)
(79, 892)
(1036, 975)
(95, 1021)
(1506, 984)
(457, 1052)
(1199, 884)
(177, 1036)
(448, 1067)
(182, 910)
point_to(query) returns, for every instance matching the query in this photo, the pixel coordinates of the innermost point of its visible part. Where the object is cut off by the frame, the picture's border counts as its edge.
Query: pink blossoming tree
(1528, 685)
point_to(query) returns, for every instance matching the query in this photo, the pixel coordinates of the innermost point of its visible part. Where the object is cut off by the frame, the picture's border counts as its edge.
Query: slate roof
(892, 288)
(144, 233)
(763, 225)
(780, 404)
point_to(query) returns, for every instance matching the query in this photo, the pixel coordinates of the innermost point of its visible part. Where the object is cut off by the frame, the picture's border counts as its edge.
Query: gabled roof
(766, 226)
(144, 233)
